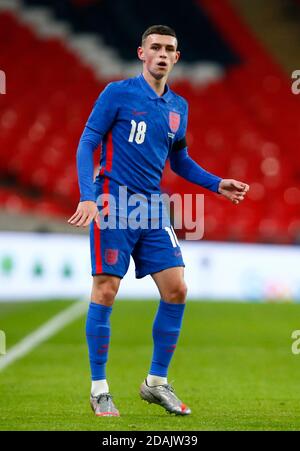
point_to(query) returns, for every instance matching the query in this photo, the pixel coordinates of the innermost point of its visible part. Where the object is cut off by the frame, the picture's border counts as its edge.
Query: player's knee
(177, 294)
(104, 291)
(105, 294)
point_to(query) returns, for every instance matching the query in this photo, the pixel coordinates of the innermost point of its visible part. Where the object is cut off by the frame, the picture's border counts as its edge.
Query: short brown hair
(158, 29)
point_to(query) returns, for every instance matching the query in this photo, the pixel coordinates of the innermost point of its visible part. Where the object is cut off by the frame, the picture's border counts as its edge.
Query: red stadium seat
(244, 126)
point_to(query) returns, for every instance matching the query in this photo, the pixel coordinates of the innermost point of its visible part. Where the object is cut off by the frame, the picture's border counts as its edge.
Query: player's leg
(158, 254)
(104, 290)
(168, 321)
(165, 332)
(110, 253)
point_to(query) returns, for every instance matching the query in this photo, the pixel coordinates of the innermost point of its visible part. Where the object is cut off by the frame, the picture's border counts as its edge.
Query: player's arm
(183, 165)
(99, 122)
(87, 209)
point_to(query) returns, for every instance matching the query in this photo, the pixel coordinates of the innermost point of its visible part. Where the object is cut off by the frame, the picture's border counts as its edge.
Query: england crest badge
(174, 121)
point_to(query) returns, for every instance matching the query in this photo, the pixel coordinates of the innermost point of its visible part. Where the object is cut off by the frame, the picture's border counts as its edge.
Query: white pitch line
(44, 332)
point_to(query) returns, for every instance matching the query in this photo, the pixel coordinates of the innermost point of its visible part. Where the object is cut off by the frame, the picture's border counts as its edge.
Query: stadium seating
(244, 125)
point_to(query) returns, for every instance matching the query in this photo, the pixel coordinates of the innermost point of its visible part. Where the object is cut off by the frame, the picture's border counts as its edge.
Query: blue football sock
(165, 332)
(98, 335)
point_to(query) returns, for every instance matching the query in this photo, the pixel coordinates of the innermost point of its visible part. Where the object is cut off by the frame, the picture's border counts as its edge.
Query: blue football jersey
(138, 130)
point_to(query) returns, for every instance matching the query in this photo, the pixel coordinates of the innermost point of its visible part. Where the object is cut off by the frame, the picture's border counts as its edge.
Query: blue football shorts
(152, 250)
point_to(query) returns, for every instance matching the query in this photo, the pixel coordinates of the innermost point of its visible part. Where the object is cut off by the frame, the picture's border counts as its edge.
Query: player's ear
(177, 56)
(140, 52)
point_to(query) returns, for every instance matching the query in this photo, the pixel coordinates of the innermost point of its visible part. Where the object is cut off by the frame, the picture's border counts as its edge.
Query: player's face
(159, 54)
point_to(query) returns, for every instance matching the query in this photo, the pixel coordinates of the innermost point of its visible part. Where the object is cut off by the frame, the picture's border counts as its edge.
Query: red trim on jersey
(109, 152)
(109, 155)
(106, 191)
(97, 246)
(108, 164)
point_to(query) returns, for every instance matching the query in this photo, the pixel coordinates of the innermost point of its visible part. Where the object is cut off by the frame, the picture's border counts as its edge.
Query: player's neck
(157, 85)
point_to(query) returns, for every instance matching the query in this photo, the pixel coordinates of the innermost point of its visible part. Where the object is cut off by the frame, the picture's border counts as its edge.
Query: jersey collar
(151, 93)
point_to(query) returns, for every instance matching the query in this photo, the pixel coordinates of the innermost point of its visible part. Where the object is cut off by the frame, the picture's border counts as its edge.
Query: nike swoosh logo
(138, 113)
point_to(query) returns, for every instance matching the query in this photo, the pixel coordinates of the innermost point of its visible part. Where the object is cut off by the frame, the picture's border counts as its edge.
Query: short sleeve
(104, 111)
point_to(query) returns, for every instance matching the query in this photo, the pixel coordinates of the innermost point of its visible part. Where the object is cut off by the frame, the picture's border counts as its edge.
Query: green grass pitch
(233, 366)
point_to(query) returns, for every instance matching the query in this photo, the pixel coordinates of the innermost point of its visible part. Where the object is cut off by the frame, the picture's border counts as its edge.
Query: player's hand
(233, 190)
(85, 213)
